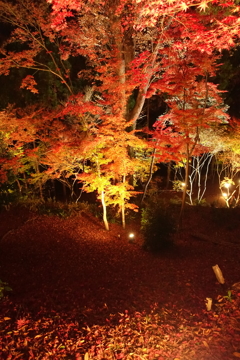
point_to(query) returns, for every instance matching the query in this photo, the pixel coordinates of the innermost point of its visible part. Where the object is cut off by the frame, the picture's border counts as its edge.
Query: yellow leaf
(237, 354)
(203, 5)
(7, 318)
(37, 336)
(205, 343)
(183, 6)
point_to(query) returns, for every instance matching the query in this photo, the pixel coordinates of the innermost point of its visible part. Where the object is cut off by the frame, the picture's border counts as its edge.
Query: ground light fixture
(131, 236)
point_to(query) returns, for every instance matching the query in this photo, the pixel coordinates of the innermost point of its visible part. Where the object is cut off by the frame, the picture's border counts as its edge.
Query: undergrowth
(52, 207)
(4, 287)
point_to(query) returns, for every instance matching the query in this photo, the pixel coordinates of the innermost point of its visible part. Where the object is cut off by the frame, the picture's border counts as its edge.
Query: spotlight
(131, 237)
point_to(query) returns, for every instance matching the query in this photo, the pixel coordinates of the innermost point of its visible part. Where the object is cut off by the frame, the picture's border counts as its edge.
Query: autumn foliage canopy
(91, 68)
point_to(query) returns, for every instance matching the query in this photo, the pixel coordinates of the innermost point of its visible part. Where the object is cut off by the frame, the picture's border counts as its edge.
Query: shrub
(52, 207)
(225, 217)
(202, 202)
(8, 195)
(158, 225)
(3, 288)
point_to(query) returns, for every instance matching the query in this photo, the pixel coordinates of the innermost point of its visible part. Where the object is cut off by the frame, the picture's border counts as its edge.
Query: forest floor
(81, 292)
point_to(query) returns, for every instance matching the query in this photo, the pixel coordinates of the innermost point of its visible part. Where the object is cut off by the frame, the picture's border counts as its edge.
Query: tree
(134, 35)
(228, 164)
(194, 104)
(140, 42)
(33, 49)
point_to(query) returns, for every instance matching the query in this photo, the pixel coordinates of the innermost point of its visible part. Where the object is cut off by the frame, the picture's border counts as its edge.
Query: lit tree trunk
(189, 153)
(186, 184)
(150, 174)
(104, 210)
(123, 207)
(102, 193)
(141, 97)
(19, 186)
(213, 169)
(191, 179)
(207, 162)
(123, 216)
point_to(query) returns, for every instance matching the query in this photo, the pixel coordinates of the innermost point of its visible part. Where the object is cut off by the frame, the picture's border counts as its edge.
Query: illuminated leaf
(203, 5)
(183, 6)
(29, 83)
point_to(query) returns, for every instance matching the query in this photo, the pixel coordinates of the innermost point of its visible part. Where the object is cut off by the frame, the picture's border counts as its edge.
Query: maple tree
(194, 104)
(139, 34)
(228, 164)
(151, 56)
(33, 46)
(131, 50)
(15, 134)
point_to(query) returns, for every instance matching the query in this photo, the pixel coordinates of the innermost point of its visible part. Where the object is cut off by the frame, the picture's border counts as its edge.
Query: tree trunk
(64, 192)
(19, 186)
(185, 187)
(53, 189)
(25, 181)
(189, 154)
(141, 97)
(150, 175)
(104, 211)
(39, 181)
(168, 174)
(123, 207)
(123, 216)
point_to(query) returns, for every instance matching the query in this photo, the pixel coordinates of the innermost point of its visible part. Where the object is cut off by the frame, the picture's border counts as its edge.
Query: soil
(76, 268)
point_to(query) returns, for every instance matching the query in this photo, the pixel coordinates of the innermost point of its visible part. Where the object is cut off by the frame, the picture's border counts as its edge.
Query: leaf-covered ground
(80, 292)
